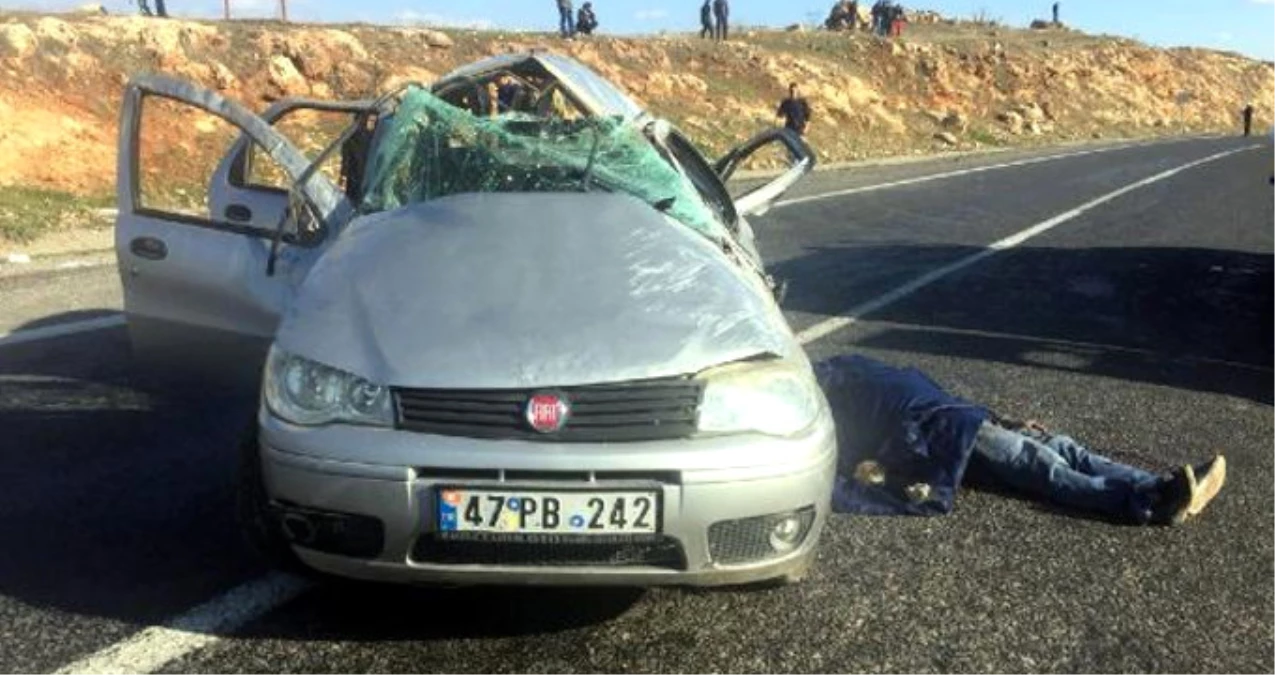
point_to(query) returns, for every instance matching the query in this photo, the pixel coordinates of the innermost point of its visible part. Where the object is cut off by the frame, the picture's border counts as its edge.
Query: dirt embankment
(943, 86)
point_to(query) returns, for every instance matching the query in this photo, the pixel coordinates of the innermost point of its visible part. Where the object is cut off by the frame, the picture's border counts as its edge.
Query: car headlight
(306, 392)
(772, 398)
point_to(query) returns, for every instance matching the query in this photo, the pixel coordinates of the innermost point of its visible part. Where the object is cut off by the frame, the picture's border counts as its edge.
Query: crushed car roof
(601, 97)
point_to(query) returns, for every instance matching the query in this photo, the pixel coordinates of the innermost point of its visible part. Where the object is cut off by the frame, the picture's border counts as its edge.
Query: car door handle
(149, 248)
(238, 213)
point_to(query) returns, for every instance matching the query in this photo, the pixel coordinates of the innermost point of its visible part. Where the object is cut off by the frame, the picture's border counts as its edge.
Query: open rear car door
(204, 282)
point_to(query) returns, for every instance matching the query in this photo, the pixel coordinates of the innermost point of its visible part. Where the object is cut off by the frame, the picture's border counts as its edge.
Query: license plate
(566, 512)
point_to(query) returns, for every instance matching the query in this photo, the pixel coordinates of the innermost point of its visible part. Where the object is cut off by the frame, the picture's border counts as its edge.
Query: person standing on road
(1248, 119)
(721, 12)
(795, 111)
(706, 20)
(566, 19)
(904, 442)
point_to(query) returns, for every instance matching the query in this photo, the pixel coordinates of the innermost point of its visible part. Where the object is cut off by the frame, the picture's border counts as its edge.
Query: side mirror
(758, 201)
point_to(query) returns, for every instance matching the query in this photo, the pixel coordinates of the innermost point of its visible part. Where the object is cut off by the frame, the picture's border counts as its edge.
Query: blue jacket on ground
(915, 438)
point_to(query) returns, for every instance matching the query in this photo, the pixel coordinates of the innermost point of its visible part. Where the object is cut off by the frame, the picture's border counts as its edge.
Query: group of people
(714, 19)
(571, 24)
(888, 17)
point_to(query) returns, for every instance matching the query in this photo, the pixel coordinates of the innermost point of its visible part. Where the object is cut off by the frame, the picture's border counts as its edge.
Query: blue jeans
(566, 21)
(1060, 470)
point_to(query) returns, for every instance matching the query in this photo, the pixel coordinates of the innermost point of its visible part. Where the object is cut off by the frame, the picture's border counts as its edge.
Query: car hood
(528, 290)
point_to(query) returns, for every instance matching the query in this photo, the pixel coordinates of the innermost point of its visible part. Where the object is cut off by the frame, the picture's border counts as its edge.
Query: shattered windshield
(430, 148)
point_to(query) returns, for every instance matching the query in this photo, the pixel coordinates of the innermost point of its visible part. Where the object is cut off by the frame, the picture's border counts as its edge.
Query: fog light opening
(298, 528)
(785, 533)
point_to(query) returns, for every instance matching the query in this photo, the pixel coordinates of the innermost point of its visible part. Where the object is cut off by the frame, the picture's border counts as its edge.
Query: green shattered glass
(431, 149)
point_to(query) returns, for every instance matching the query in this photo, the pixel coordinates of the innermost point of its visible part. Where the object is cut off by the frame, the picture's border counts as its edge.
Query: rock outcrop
(944, 84)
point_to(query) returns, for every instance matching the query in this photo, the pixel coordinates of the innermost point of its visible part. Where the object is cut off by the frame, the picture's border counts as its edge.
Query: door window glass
(178, 149)
(311, 131)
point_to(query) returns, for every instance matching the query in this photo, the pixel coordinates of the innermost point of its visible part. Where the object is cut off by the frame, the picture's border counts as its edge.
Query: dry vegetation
(943, 86)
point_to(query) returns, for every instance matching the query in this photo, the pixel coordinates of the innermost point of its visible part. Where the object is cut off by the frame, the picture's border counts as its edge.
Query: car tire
(263, 532)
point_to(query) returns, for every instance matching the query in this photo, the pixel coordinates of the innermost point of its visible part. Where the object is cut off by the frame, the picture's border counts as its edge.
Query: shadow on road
(119, 502)
(350, 611)
(1197, 319)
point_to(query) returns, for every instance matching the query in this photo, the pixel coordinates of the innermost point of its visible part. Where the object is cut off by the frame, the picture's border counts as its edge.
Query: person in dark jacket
(706, 29)
(508, 93)
(880, 17)
(794, 110)
(721, 13)
(841, 17)
(1247, 114)
(905, 443)
(566, 19)
(587, 21)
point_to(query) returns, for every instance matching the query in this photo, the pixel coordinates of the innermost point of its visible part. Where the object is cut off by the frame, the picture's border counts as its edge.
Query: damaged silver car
(522, 334)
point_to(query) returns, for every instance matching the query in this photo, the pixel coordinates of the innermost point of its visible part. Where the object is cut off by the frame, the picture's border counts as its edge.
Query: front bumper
(391, 476)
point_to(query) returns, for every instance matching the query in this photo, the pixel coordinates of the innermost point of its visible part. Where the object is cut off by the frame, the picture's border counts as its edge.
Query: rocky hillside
(944, 85)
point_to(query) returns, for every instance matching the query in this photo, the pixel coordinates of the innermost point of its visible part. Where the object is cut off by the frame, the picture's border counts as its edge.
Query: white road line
(58, 330)
(829, 326)
(965, 172)
(153, 647)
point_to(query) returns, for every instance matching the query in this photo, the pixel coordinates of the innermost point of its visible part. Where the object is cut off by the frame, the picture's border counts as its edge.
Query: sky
(1245, 26)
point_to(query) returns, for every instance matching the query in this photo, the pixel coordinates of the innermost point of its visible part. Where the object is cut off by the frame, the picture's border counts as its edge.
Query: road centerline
(834, 324)
(904, 182)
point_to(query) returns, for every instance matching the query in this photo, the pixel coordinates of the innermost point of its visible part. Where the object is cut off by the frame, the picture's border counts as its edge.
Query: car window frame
(211, 221)
(701, 175)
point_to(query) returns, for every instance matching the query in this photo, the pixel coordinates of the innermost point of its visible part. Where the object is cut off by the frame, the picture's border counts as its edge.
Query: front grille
(659, 551)
(646, 410)
(734, 542)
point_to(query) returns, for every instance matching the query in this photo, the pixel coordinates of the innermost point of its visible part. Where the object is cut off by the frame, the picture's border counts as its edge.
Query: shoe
(1173, 497)
(1209, 478)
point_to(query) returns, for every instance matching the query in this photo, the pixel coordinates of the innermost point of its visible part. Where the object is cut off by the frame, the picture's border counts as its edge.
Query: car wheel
(260, 528)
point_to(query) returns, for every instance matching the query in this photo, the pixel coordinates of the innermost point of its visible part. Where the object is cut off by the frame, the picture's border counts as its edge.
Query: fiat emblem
(547, 413)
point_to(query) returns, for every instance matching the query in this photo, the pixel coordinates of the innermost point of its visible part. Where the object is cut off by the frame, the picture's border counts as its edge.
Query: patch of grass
(985, 137)
(26, 213)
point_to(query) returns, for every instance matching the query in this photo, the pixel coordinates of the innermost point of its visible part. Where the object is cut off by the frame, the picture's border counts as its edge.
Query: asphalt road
(1141, 324)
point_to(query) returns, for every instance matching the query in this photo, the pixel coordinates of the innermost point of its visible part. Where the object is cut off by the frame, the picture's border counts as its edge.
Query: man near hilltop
(795, 111)
(706, 29)
(904, 444)
(721, 12)
(566, 19)
(587, 20)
